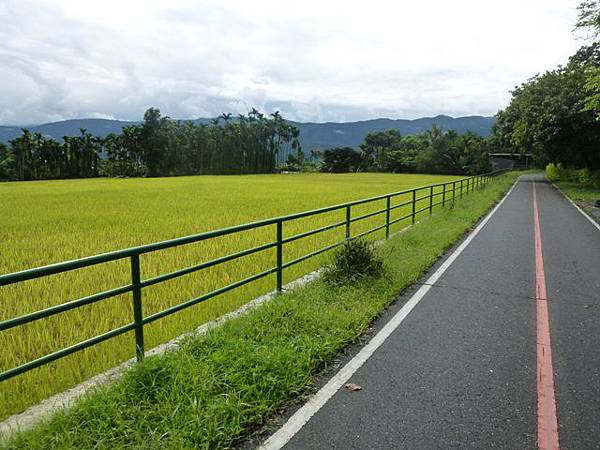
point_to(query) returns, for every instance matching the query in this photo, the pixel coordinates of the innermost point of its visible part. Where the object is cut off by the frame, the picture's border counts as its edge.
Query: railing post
(348, 222)
(279, 256)
(461, 189)
(414, 205)
(387, 217)
(137, 306)
(444, 196)
(453, 192)
(431, 200)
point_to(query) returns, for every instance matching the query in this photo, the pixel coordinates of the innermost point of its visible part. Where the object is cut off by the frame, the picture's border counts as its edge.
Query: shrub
(570, 175)
(584, 177)
(553, 171)
(596, 179)
(357, 259)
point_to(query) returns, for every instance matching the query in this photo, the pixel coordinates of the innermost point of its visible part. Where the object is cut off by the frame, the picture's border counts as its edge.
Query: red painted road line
(547, 432)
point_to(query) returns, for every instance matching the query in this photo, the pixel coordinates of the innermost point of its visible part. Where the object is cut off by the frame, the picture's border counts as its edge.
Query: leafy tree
(548, 116)
(295, 162)
(23, 153)
(153, 140)
(435, 151)
(377, 147)
(589, 17)
(341, 159)
(7, 163)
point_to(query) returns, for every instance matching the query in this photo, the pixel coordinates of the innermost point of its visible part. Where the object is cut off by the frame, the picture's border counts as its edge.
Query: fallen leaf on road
(353, 387)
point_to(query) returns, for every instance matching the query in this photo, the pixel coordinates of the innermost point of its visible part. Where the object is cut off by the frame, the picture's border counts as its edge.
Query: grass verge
(219, 388)
(584, 196)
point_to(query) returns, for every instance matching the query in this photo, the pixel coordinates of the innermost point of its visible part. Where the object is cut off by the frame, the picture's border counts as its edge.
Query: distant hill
(98, 127)
(312, 135)
(351, 134)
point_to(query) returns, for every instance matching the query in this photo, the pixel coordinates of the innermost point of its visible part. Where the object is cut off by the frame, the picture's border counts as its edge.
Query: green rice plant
(44, 222)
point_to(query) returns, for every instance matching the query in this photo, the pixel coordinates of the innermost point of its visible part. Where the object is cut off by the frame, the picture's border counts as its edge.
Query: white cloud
(314, 60)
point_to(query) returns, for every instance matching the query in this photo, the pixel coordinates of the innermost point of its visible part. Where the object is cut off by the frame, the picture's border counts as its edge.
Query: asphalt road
(460, 370)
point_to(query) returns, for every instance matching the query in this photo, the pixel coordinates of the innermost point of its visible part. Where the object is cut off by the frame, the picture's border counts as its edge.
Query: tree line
(434, 151)
(556, 115)
(159, 146)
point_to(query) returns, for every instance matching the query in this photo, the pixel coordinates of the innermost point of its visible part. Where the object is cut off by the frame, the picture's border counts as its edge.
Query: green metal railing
(449, 192)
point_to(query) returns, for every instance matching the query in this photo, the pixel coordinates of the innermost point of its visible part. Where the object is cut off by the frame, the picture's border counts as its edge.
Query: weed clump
(356, 260)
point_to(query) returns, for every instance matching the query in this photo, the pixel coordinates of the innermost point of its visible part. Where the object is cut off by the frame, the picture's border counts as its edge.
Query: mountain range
(312, 135)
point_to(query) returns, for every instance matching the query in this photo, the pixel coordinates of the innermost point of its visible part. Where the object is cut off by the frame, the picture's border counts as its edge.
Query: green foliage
(556, 115)
(377, 149)
(589, 16)
(7, 163)
(158, 147)
(592, 87)
(584, 177)
(579, 193)
(36, 157)
(553, 171)
(547, 116)
(589, 19)
(435, 151)
(297, 162)
(341, 159)
(596, 179)
(357, 259)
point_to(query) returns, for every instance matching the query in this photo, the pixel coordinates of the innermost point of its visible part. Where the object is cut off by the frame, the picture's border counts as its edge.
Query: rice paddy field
(44, 222)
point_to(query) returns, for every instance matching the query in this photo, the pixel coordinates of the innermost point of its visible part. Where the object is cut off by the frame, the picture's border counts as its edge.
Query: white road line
(303, 415)
(586, 215)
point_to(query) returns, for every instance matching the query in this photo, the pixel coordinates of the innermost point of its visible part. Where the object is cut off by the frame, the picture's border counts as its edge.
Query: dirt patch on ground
(590, 208)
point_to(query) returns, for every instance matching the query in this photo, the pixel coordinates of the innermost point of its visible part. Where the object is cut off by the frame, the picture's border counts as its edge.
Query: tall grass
(52, 221)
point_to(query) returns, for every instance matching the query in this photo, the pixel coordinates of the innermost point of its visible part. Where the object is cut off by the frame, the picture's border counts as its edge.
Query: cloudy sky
(312, 60)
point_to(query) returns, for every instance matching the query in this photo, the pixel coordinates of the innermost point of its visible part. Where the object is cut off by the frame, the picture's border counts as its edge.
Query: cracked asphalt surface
(460, 370)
